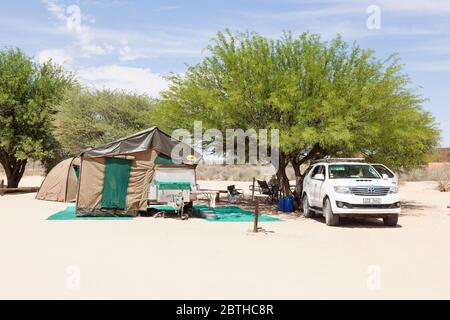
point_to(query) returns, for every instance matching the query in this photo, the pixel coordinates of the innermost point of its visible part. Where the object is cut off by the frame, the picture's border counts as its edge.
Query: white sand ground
(195, 259)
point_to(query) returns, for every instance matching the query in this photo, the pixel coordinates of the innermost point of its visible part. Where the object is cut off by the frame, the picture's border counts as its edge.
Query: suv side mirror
(385, 176)
(319, 176)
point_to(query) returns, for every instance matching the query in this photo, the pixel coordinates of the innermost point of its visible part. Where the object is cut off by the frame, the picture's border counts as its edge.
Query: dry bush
(441, 175)
(444, 186)
(33, 168)
(235, 172)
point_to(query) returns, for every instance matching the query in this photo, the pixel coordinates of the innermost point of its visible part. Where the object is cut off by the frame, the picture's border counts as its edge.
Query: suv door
(309, 184)
(318, 186)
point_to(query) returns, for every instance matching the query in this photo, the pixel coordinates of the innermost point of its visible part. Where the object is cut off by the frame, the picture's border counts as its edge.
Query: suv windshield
(353, 171)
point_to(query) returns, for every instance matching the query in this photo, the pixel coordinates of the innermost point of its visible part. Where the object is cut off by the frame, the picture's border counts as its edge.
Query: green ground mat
(229, 214)
(162, 208)
(70, 214)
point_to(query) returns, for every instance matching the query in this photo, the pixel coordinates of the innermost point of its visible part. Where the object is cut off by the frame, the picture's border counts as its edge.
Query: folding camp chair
(265, 189)
(234, 194)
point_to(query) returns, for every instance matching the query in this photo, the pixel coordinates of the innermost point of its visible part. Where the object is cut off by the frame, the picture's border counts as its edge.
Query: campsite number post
(255, 223)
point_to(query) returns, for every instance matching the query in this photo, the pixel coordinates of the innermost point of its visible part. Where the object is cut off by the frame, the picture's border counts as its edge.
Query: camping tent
(115, 178)
(62, 182)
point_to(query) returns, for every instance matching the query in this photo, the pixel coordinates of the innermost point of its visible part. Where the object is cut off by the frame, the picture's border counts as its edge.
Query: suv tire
(330, 218)
(391, 221)
(307, 212)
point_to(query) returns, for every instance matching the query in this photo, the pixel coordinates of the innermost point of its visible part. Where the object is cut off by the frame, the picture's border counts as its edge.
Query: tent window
(77, 171)
(115, 183)
(162, 159)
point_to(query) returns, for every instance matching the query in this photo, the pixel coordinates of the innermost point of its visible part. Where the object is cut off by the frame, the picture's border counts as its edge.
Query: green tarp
(161, 159)
(173, 185)
(229, 214)
(162, 208)
(115, 183)
(70, 214)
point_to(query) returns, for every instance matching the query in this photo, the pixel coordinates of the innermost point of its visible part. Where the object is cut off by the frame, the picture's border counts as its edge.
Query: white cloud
(166, 8)
(430, 66)
(70, 18)
(56, 9)
(352, 7)
(58, 56)
(416, 6)
(127, 45)
(140, 80)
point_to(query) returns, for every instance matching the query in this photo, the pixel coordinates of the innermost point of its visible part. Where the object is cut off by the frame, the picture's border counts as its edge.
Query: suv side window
(318, 170)
(383, 170)
(315, 171)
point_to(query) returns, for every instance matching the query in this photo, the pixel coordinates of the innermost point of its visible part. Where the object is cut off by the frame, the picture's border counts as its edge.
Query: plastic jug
(282, 204)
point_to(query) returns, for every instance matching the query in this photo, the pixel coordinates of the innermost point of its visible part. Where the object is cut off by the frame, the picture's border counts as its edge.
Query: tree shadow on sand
(360, 223)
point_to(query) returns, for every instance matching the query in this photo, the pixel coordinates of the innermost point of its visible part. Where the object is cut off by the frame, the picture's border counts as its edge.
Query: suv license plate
(372, 200)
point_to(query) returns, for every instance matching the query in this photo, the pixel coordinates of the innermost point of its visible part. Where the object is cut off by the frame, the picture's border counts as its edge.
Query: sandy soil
(196, 259)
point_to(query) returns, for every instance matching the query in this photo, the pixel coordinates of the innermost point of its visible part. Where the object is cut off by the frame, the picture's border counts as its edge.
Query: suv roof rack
(331, 160)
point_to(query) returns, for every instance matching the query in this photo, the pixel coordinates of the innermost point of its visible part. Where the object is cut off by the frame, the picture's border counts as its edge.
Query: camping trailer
(121, 178)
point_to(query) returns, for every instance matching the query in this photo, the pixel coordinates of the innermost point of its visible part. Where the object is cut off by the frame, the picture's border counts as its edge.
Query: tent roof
(152, 138)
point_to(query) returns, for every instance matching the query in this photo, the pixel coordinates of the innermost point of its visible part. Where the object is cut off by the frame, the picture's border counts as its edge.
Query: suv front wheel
(330, 218)
(391, 221)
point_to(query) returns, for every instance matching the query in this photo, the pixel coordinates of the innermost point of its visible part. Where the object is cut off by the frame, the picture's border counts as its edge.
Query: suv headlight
(340, 189)
(393, 190)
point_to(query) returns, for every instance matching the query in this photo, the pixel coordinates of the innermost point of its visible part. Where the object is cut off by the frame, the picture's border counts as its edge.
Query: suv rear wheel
(330, 218)
(307, 212)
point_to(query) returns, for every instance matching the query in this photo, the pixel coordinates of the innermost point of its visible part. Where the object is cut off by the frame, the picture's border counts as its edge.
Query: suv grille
(370, 191)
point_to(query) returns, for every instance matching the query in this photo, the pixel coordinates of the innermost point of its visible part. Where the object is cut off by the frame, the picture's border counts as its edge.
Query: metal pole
(253, 189)
(255, 223)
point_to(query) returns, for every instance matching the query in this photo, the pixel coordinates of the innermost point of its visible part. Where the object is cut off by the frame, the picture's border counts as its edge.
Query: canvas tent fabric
(150, 139)
(61, 183)
(101, 180)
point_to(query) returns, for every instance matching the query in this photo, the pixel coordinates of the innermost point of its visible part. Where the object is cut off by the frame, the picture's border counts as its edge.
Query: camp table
(211, 194)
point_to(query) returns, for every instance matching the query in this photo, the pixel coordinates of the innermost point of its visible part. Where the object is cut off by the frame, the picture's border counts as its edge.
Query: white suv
(338, 188)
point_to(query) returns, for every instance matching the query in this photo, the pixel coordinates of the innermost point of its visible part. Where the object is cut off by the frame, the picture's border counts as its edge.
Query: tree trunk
(282, 176)
(14, 169)
(299, 177)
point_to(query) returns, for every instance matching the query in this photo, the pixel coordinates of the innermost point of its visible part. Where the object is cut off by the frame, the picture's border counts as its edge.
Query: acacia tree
(88, 118)
(326, 98)
(28, 94)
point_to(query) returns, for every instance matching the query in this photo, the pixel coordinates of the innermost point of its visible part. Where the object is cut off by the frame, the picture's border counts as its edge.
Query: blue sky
(133, 44)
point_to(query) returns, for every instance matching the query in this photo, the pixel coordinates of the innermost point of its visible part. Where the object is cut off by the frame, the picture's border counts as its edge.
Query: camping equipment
(234, 194)
(115, 179)
(229, 214)
(287, 204)
(61, 183)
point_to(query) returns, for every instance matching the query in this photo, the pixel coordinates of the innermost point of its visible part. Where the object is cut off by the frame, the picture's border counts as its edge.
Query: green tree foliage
(88, 118)
(326, 98)
(28, 94)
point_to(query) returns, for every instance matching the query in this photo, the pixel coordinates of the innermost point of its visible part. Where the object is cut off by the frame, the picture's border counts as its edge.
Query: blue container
(289, 207)
(282, 204)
